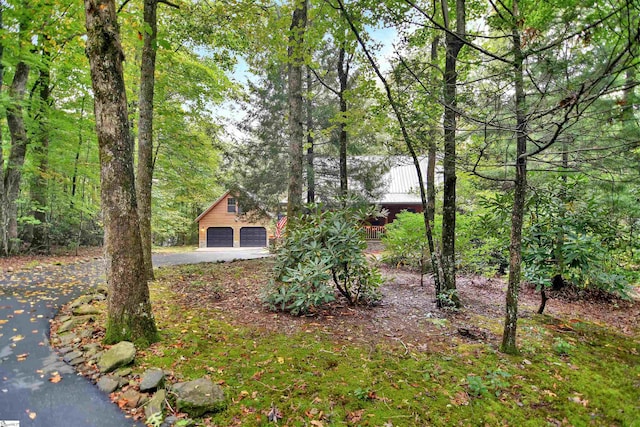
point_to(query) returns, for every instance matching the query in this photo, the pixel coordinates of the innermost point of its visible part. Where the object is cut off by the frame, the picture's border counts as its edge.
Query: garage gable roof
(213, 205)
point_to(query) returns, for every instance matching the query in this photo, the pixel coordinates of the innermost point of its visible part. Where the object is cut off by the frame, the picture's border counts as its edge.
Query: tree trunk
(432, 150)
(39, 192)
(74, 180)
(144, 178)
(311, 179)
(4, 223)
(19, 140)
(343, 76)
(454, 43)
(129, 308)
(517, 214)
(296, 118)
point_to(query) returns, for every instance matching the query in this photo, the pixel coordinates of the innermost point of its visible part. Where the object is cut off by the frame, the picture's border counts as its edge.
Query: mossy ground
(568, 373)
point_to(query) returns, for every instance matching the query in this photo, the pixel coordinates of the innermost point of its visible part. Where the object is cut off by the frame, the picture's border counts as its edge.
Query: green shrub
(480, 249)
(405, 242)
(323, 252)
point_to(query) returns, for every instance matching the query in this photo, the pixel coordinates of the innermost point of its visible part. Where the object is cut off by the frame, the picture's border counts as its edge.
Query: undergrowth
(577, 374)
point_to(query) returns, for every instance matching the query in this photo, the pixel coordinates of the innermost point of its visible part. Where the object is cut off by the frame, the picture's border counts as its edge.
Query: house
(223, 224)
(401, 188)
(400, 192)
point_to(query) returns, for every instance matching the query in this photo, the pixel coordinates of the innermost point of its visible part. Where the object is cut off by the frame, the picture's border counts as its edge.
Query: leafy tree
(129, 308)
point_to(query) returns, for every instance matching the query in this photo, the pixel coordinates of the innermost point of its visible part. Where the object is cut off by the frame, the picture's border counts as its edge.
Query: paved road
(28, 300)
(208, 255)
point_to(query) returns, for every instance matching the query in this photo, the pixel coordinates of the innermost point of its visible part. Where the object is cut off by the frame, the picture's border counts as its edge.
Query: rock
(67, 338)
(85, 309)
(123, 381)
(123, 372)
(77, 361)
(75, 321)
(71, 356)
(81, 300)
(132, 397)
(90, 349)
(108, 384)
(171, 420)
(65, 350)
(155, 404)
(152, 379)
(102, 288)
(199, 397)
(119, 355)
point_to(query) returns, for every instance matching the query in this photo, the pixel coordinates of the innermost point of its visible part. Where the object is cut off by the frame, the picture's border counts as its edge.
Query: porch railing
(374, 232)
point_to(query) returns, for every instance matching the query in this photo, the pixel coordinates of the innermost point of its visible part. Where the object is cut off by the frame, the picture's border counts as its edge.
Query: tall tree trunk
(343, 77)
(19, 140)
(311, 178)
(4, 220)
(74, 179)
(129, 308)
(430, 211)
(39, 191)
(454, 43)
(144, 178)
(296, 117)
(432, 150)
(509, 344)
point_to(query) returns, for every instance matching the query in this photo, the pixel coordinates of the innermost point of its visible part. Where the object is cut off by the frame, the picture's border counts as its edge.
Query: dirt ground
(58, 256)
(408, 315)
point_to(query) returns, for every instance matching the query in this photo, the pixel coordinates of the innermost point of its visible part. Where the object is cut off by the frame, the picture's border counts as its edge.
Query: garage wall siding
(219, 217)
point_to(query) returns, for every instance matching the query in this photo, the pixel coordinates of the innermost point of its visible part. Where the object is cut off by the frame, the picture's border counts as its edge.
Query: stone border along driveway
(140, 393)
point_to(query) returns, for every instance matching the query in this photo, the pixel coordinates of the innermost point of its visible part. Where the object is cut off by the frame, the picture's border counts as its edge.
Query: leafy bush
(323, 253)
(479, 247)
(573, 237)
(405, 242)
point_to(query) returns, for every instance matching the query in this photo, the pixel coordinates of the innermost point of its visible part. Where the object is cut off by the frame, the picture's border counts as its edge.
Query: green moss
(140, 331)
(312, 376)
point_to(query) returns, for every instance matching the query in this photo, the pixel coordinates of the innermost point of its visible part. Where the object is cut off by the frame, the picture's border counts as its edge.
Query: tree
(454, 41)
(296, 116)
(129, 307)
(144, 177)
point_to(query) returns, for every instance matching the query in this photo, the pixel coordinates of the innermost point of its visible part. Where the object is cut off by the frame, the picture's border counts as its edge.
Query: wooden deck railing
(374, 232)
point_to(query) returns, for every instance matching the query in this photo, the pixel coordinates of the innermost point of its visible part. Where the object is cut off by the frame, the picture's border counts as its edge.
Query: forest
(124, 121)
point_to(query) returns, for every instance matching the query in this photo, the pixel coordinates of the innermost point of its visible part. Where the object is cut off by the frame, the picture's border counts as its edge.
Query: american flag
(282, 222)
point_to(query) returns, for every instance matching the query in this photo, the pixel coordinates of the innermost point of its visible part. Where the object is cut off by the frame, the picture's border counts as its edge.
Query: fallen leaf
(460, 399)
(355, 416)
(3, 321)
(577, 399)
(17, 338)
(316, 423)
(22, 357)
(56, 378)
(19, 312)
(32, 415)
(274, 414)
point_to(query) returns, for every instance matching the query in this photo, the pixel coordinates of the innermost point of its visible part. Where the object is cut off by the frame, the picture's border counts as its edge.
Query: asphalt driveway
(208, 255)
(28, 301)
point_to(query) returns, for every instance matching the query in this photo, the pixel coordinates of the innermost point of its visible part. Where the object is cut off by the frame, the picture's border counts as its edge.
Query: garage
(220, 237)
(253, 237)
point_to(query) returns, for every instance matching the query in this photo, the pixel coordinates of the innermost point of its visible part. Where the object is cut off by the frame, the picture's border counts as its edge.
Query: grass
(577, 374)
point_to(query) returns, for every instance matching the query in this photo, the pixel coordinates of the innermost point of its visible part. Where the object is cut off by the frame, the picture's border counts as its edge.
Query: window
(231, 205)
